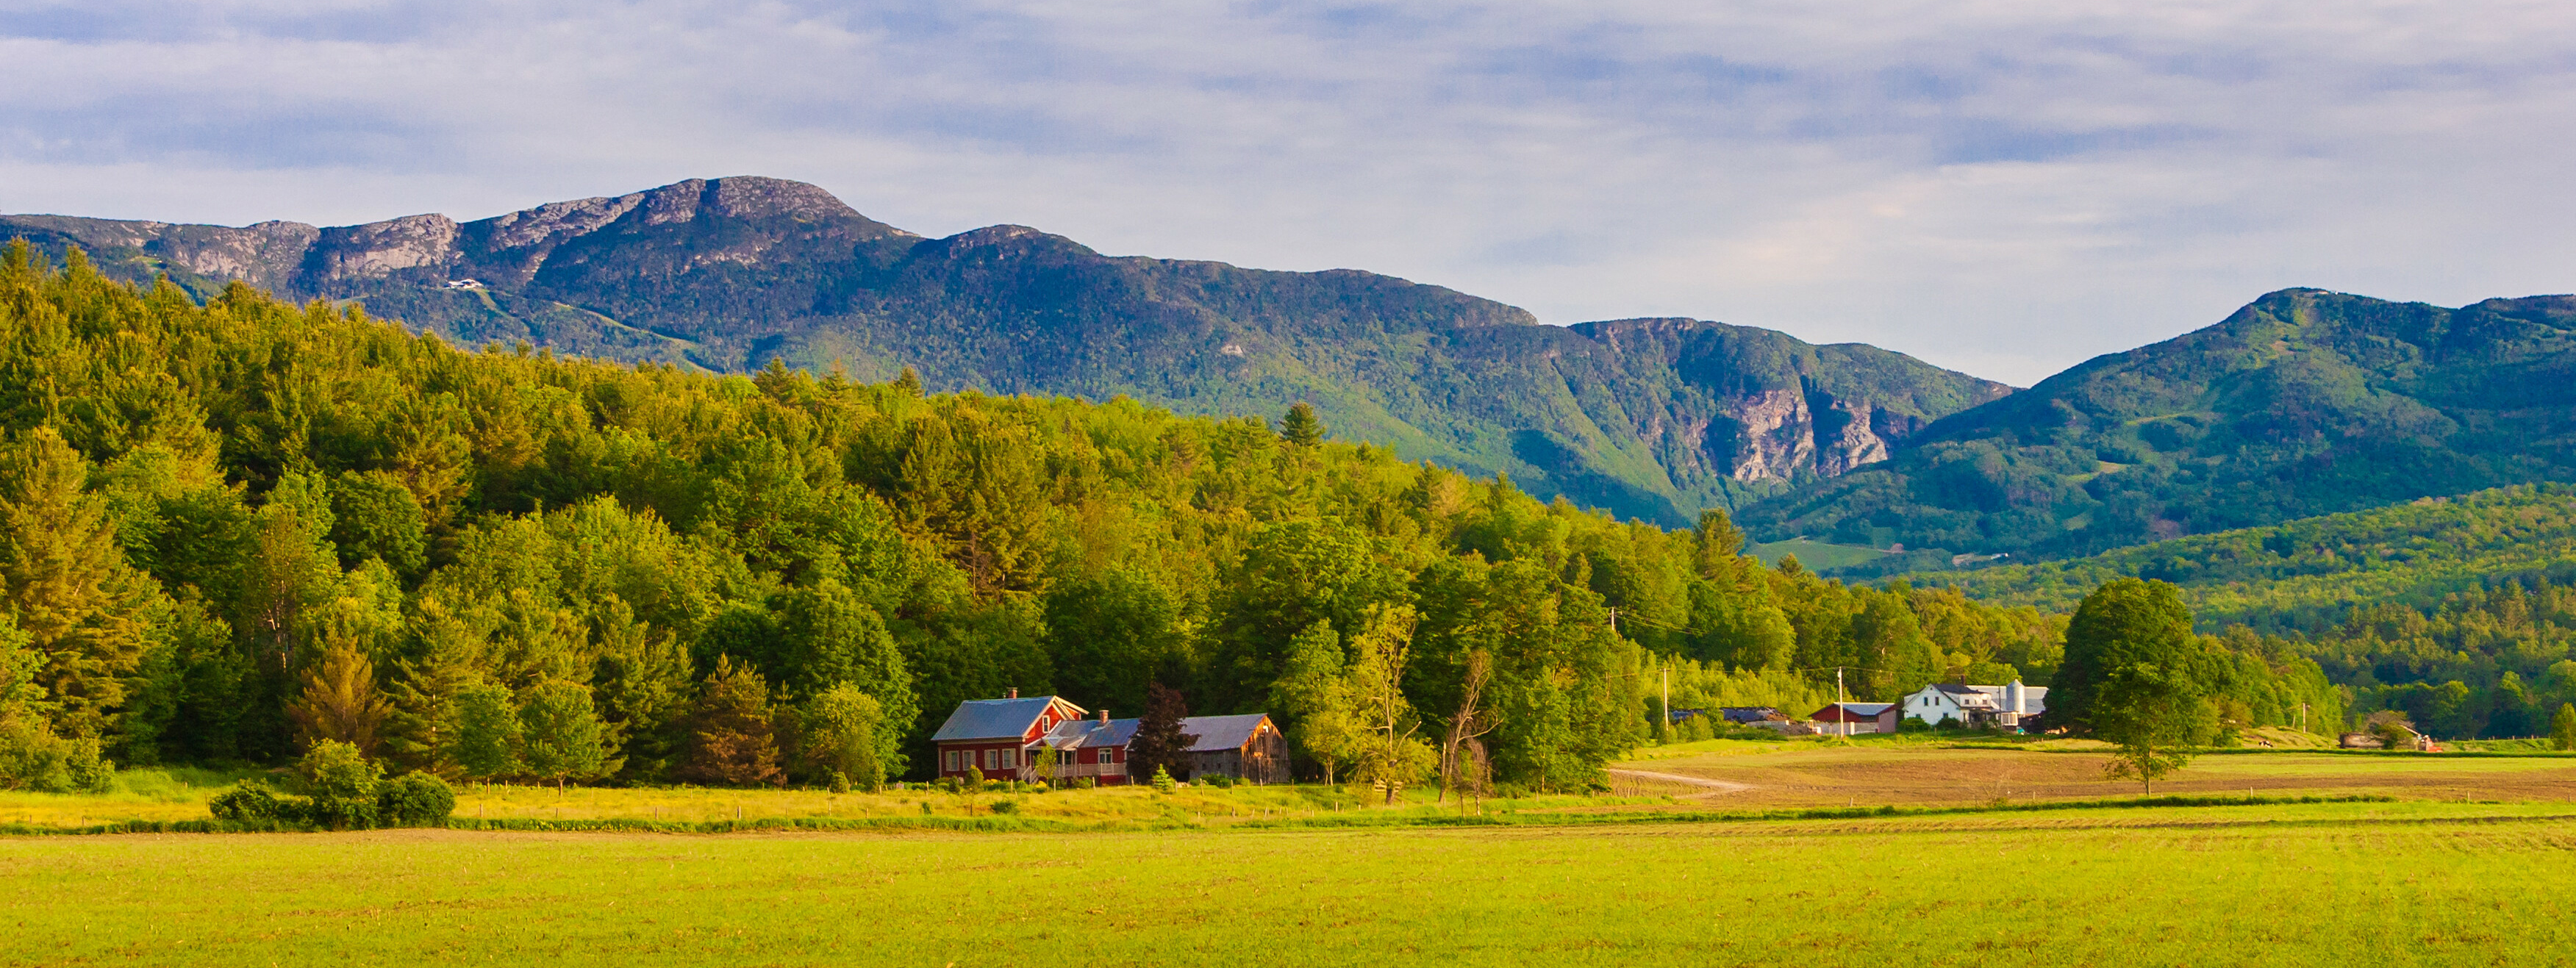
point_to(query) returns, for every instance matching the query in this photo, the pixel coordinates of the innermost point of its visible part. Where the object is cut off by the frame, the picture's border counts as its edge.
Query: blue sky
(2001, 187)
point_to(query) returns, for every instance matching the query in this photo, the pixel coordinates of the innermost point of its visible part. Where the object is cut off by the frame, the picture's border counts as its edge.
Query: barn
(1847, 718)
(1246, 747)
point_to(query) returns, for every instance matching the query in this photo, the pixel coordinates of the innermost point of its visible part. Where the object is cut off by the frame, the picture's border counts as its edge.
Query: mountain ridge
(1651, 418)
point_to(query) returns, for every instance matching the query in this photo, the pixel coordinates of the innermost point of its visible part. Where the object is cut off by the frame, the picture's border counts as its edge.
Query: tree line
(234, 529)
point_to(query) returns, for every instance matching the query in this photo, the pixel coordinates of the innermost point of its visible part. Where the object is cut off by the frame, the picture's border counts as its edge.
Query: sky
(2004, 188)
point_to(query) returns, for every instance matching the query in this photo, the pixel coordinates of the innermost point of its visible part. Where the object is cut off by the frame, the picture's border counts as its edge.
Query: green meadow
(1719, 853)
(2334, 884)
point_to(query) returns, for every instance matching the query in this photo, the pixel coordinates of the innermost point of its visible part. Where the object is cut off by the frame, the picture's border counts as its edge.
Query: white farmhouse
(2002, 706)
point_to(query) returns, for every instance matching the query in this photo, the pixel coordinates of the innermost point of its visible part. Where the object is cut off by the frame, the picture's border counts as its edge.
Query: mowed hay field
(2333, 884)
(1754, 775)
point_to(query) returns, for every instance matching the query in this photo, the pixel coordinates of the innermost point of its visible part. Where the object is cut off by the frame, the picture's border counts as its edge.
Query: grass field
(2367, 884)
(1814, 555)
(2474, 862)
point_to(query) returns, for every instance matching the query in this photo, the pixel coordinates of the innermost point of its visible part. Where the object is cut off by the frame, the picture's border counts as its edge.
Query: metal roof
(1864, 710)
(1214, 733)
(1222, 732)
(996, 718)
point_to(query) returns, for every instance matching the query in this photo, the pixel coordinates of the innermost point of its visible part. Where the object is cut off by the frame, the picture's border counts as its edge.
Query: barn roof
(1217, 733)
(1855, 710)
(996, 718)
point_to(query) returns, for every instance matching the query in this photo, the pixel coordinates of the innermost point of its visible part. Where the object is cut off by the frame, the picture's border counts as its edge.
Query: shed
(1847, 718)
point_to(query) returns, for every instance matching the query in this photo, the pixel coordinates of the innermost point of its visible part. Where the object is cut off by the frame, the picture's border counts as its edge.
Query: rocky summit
(1652, 418)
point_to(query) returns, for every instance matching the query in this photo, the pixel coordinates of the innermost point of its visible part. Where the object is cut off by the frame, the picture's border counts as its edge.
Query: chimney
(1104, 717)
(1013, 694)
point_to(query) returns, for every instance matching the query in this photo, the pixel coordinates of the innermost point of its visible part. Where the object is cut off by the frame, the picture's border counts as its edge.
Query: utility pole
(1842, 716)
(1668, 697)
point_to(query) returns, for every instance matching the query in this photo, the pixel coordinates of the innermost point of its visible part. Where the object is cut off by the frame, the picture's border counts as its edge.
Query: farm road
(1714, 787)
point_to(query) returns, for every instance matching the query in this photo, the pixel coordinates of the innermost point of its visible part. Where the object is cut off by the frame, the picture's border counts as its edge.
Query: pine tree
(733, 740)
(68, 584)
(340, 702)
(1301, 427)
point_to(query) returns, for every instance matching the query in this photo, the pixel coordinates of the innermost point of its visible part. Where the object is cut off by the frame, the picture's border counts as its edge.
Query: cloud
(2005, 187)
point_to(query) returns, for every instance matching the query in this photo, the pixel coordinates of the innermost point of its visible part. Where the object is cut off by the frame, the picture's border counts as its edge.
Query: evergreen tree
(68, 584)
(733, 740)
(560, 735)
(340, 702)
(1301, 428)
(2562, 727)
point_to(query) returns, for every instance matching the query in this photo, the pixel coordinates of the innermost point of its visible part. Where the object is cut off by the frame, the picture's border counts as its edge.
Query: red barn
(1846, 718)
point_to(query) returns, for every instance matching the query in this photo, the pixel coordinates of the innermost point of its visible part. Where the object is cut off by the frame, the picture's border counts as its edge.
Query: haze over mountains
(2304, 402)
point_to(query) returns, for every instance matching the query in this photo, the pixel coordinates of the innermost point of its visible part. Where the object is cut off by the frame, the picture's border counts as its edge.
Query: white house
(1977, 706)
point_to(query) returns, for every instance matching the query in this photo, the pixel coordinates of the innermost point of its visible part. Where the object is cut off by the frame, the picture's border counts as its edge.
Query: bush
(1218, 780)
(1510, 791)
(1006, 806)
(247, 801)
(344, 786)
(32, 757)
(415, 800)
(1163, 782)
(1085, 782)
(840, 782)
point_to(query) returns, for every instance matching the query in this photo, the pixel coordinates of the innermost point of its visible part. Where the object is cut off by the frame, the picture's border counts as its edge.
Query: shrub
(1163, 782)
(1085, 782)
(840, 782)
(1006, 806)
(1510, 791)
(246, 801)
(1218, 780)
(344, 786)
(415, 800)
(32, 757)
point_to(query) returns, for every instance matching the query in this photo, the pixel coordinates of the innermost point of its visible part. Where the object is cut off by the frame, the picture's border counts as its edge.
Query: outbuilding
(1848, 718)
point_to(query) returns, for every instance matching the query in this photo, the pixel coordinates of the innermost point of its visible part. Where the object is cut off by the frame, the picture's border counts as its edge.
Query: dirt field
(1864, 774)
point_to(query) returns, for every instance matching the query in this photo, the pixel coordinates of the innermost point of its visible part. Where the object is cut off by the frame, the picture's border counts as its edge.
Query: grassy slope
(2304, 571)
(2300, 885)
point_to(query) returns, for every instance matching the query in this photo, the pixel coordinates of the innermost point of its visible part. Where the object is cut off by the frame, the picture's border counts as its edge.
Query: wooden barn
(1246, 747)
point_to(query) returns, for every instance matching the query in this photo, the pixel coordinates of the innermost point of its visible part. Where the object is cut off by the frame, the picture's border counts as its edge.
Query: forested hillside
(1652, 418)
(2309, 573)
(233, 528)
(2303, 403)
(2455, 611)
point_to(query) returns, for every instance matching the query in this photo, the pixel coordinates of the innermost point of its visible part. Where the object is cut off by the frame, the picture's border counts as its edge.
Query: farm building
(995, 736)
(1752, 715)
(1847, 718)
(1245, 747)
(1003, 737)
(1977, 707)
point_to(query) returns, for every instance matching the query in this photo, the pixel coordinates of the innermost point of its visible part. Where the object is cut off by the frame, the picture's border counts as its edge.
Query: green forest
(234, 529)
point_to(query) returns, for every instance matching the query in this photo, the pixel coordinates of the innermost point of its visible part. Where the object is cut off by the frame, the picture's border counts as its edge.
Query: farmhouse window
(1010, 759)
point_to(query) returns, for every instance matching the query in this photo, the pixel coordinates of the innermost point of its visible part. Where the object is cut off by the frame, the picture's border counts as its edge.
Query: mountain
(1651, 418)
(2303, 403)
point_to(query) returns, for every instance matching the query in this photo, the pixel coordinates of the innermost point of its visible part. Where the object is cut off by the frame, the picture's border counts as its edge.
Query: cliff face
(1751, 407)
(1651, 418)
